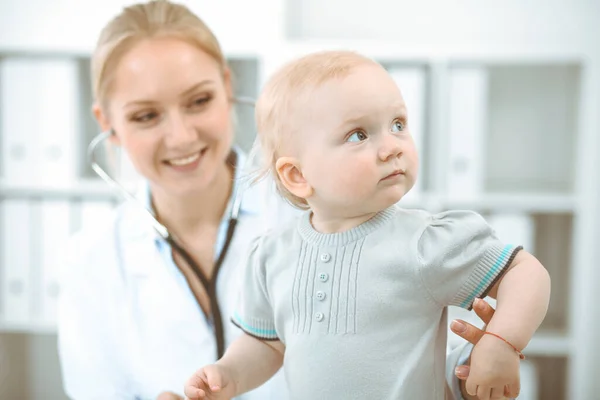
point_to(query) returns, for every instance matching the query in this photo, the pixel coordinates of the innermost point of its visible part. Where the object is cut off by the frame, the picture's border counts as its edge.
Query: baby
(351, 298)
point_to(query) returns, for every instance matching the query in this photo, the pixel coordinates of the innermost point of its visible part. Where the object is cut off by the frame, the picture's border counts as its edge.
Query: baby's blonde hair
(282, 93)
(154, 19)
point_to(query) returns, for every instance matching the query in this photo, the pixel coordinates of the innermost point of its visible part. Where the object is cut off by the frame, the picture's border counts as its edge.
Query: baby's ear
(289, 172)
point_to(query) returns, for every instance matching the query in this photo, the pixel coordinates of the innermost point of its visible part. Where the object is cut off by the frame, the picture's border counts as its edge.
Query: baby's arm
(248, 363)
(252, 361)
(522, 301)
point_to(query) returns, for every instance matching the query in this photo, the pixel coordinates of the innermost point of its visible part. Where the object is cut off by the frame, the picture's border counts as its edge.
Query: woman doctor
(134, 319)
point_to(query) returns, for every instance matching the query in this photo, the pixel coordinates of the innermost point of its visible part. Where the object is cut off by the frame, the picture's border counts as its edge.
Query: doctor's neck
(185, 214)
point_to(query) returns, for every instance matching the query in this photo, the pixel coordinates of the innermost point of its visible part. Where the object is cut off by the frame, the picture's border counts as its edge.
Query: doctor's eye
(200, 101)
(398, 126)
(145, 117)
(357, 136)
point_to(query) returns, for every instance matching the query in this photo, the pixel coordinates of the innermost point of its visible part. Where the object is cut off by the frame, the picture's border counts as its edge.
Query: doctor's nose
(390, 148)
(179, 133)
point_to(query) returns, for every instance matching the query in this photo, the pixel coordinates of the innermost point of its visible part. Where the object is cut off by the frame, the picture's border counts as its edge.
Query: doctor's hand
(472, 334)
(212, 382)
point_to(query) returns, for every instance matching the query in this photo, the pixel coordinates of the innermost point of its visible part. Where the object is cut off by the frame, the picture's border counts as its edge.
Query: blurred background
(504, 99)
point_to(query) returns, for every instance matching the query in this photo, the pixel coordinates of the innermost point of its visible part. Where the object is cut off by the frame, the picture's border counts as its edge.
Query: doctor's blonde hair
(154, 19)
(289, 88)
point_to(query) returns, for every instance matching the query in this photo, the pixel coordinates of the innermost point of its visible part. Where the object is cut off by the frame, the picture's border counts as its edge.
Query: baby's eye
(397, 126)
(357, 136)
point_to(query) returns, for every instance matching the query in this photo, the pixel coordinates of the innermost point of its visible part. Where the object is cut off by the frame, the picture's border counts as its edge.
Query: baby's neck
(325, 223)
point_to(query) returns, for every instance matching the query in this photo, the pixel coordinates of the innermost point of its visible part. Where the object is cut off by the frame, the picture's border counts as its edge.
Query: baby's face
(357, 151)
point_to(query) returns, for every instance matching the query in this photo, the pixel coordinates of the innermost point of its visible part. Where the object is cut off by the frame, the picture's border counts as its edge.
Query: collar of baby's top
(310, 235)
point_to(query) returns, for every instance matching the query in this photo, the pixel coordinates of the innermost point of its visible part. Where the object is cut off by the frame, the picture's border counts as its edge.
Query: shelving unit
(529, 154)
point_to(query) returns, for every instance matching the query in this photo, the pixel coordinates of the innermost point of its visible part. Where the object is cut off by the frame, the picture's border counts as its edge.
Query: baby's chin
(380, 203)
(395, 195)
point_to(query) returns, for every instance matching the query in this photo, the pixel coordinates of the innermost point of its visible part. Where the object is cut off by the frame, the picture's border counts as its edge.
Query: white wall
(442, 23)
(73, 25)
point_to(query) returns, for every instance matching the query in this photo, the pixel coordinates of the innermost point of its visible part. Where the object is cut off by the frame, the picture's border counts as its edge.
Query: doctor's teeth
(185, 160)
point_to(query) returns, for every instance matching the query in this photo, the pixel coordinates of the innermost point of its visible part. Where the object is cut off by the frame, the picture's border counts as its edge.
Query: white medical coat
(129, 326)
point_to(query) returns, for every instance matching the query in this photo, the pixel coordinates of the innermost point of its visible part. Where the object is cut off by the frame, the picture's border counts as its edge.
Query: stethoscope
(209, 283)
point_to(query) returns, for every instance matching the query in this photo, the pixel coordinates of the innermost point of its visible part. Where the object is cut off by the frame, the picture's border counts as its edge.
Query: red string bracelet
(521, 356)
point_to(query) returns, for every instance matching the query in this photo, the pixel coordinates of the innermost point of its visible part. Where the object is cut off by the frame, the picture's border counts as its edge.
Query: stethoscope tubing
(208, 284)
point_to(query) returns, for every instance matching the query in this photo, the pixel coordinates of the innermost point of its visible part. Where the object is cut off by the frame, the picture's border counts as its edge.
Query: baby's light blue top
(362, 313)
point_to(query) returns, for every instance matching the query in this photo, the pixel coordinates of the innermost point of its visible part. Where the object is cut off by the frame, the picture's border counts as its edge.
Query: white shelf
(549, 344)
(543, 344)
(87, 188)
(396, 51)
(37, 328)
(531, 203)
(541, 203)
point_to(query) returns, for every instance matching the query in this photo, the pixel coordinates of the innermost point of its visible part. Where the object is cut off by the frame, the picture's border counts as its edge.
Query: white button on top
(323, 277)
(319, 316)
(321, 295)
(325, 257)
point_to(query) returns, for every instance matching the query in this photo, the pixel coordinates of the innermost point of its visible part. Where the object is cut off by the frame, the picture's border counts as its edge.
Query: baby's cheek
(411, 158)
(357, 183)
(412, 155)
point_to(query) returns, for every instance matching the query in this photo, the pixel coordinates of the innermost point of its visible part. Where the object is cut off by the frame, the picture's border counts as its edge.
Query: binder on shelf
(55, 231)
(39, 98)
(18, 121)
(467, 126)
(58, 131)
(514, 228)
(412, 82)
(16, 289)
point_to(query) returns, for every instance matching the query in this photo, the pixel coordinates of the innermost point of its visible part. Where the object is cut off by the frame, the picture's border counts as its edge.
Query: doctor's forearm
(252, 362)
(522, 301)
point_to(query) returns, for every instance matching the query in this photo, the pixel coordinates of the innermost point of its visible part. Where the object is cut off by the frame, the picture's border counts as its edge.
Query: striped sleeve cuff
(490, 268)
(257, 328)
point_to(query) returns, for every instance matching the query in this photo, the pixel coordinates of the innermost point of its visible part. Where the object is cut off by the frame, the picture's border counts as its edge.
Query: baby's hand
(212, 382)
(494, 370)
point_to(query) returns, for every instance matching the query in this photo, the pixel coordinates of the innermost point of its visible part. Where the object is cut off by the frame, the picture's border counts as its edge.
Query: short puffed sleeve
(461, 258)
(254, 313)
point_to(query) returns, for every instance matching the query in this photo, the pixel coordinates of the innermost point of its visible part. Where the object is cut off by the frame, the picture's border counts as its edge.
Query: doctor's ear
(104, 124)
(289, 172)
(227, 83)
